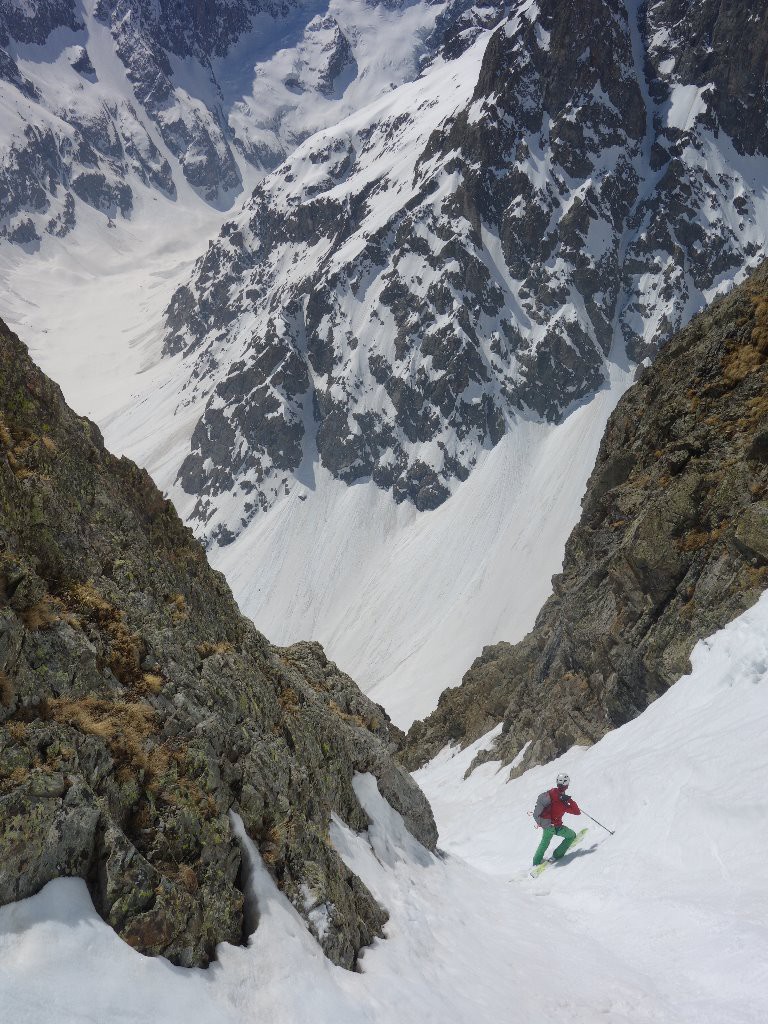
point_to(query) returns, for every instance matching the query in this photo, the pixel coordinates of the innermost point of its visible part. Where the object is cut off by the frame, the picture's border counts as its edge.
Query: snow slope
(405, 600)
(666, 922)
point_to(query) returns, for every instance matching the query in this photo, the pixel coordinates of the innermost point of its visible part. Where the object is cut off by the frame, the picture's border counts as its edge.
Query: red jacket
(550, 805)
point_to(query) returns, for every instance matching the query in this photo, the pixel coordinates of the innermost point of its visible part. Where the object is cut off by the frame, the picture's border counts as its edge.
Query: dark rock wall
(672, 545)
(138, 707)
(34, 22)
(702, 39)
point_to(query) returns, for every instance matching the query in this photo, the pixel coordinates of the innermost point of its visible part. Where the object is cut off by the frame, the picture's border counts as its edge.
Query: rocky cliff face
(672, 545)
(477, 249)
(138, 708)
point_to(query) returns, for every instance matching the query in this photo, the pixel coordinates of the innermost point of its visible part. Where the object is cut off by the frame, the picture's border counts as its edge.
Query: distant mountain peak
(111, 98)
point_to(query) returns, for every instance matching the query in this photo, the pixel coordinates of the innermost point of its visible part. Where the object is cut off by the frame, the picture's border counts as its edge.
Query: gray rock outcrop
(138, 708)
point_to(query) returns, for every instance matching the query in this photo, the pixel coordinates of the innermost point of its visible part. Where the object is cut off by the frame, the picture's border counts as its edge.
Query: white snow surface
(665, 922)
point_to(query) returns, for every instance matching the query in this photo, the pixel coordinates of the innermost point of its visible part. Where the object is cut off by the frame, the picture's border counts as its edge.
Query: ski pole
(598, 823)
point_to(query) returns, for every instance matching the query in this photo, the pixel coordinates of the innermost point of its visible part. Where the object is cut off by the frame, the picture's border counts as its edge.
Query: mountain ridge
(106, 103)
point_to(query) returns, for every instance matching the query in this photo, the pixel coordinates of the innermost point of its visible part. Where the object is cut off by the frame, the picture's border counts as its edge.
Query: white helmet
(563, 780)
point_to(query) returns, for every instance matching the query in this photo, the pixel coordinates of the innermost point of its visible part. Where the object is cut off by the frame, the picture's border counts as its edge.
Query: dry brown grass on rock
(695, 540)
(150, 682)
(17, 730)
(24, 454)
(205, 650)
(273, 842)
(757, 411)
(177, 605)
(188, 878)
(760, 328)
(44, 614)
(16, 777)
(124, 726)
(742, 361)
(125, 655)
(89, 602)
(289, 700)
(5, 435)
(358, 720)
(126, 649)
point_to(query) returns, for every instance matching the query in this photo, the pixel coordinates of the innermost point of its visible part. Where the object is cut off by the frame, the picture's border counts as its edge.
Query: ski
(536, 871)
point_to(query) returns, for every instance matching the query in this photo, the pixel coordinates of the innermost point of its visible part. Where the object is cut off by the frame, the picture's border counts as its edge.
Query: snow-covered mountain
(672, 542)
(379, 396)
(473, 251)
(101, 98)
(442, 292)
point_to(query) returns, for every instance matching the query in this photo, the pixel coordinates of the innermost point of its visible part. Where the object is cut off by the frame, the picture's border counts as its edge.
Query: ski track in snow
(666, 922)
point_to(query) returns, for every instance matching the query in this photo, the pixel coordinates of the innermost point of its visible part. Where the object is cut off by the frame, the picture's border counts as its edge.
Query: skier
(548, 813)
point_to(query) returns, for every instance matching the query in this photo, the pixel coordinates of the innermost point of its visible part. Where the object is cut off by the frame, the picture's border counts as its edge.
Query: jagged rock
(24, 233)
(138, 708)
(111, 147)
(752, 533)
(82, 64)
(672, 544)
(34, 22)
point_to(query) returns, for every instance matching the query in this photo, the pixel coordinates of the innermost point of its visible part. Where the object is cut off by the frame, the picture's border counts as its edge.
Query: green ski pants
(565, 833)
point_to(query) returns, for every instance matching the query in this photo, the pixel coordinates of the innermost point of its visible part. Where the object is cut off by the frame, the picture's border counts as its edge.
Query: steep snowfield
(405, 600)
(90, 310)
(666, 922)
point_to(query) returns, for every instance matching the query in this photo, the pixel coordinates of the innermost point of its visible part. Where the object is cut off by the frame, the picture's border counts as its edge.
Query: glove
(565, 799)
